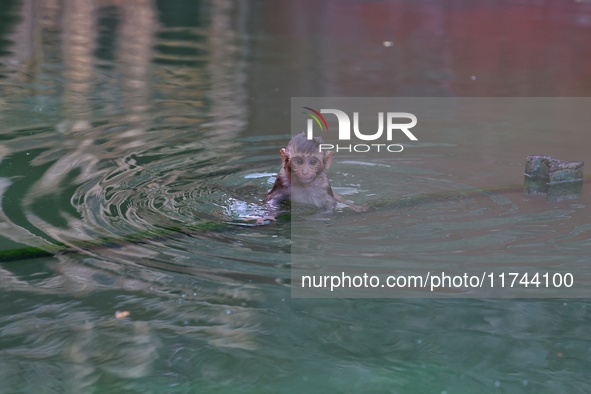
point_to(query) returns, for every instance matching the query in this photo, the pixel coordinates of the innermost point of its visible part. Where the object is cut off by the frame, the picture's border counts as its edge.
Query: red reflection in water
(457, 48)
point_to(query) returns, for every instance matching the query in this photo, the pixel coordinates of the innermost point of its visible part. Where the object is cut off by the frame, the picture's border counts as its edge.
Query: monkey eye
(313, 162)
(299, 161)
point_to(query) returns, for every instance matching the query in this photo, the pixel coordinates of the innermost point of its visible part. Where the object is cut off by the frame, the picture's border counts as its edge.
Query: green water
(133, 132)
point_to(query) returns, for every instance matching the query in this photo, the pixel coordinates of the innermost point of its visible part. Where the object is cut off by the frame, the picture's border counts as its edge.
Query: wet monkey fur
(302, 178)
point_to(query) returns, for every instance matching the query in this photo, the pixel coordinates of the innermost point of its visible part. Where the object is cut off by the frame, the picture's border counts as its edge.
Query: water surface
(133, 132)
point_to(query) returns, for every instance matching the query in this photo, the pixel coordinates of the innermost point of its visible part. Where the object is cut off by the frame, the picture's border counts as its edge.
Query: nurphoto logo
(344, 130)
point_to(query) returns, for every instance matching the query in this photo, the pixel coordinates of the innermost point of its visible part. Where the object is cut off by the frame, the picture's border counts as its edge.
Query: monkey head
(303, 160)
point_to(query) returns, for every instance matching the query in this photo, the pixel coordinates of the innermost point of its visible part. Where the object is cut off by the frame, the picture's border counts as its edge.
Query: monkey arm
(278, 194)
(354, 207)
(273, 206)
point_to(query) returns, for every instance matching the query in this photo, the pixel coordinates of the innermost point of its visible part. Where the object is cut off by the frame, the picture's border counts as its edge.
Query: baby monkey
(302, 178)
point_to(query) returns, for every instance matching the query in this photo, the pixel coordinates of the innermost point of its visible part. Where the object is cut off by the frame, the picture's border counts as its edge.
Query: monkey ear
(283, 154)
(327, 160)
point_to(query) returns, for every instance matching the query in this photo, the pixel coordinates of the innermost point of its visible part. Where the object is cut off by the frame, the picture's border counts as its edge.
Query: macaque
(302, 178)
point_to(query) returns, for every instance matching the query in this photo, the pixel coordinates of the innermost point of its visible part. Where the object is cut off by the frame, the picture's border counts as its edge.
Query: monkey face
(306, 168)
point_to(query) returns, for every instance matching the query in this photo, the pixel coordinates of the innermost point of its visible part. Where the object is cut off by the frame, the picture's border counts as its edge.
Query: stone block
(537, 166)
(559, 180)
(561, 171)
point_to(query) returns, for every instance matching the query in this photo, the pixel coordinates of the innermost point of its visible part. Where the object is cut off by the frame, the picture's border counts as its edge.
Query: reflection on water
(133, 131)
